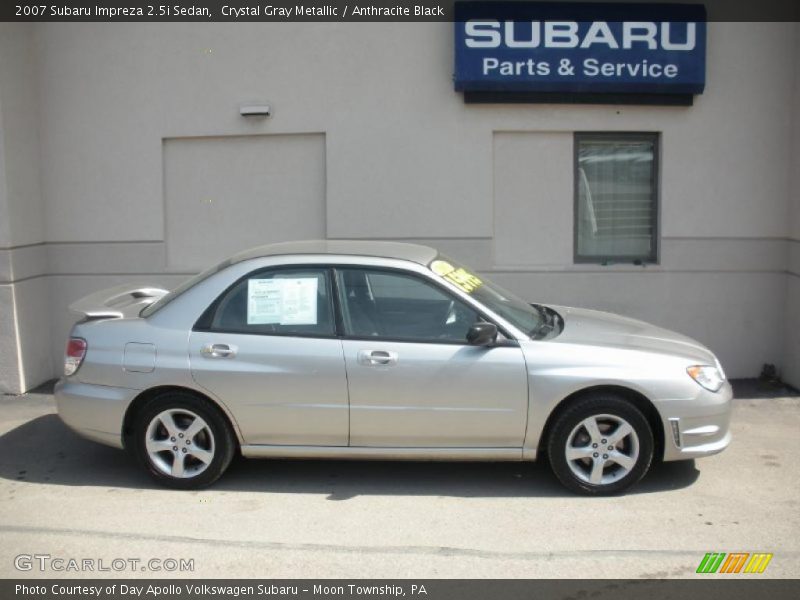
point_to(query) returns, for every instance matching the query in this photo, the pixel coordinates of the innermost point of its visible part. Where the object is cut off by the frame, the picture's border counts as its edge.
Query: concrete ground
(69, 498)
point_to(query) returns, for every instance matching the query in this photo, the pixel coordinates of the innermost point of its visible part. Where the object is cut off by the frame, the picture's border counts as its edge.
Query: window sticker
(291, 301)
(459, 277)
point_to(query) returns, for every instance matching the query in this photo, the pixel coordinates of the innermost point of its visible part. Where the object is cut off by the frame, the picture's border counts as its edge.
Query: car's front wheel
(183, 441)
(601, 444)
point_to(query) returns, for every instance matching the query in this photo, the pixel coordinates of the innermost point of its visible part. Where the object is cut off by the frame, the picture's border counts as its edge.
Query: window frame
(654, 258)
(203, 323)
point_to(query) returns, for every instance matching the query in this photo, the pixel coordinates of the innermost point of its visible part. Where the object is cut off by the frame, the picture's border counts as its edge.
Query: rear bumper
(95, 412)
(697, 428)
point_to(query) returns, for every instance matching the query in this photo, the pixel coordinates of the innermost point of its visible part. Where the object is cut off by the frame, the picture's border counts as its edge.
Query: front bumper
(697, 427)
(95, 412)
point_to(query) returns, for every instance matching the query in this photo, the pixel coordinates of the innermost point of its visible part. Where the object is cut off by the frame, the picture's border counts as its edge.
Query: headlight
(710, 378)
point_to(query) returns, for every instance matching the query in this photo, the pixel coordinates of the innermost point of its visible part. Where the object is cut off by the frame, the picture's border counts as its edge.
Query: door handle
(372, 358)
(218, 351)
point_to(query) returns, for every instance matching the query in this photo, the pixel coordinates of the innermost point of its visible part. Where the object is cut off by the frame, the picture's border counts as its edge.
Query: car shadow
(45, 451)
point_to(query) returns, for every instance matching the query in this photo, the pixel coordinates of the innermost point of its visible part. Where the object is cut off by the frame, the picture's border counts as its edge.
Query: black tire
(215, 440)
(611, 410)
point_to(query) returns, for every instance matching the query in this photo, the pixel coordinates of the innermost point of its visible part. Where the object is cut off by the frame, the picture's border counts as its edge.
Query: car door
(268, 349)
(414, 382)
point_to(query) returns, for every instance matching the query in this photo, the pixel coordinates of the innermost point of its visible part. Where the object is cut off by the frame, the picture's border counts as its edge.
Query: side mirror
(482, 334)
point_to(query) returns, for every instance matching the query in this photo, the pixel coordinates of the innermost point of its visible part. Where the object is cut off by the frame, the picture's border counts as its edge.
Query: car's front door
(414, 381)
(268, 349)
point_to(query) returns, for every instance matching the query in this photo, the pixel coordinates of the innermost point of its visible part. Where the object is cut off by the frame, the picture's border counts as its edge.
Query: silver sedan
(380, 350)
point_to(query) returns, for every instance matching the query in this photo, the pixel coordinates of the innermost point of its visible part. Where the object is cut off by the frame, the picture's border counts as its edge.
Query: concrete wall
(147, 171)
(246, 189)
(25, 356)
(791, 365)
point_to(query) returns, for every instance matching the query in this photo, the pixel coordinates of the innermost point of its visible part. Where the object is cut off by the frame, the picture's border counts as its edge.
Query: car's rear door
(414, 381)
(267, 348)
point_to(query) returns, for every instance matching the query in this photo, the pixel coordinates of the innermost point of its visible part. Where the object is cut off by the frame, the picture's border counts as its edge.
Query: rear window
(183, 287)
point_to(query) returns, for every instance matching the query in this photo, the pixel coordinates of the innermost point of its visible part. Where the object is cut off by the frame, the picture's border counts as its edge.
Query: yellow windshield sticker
(459, 277)
(441, 267)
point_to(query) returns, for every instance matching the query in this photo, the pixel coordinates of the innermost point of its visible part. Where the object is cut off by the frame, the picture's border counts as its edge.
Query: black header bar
(331, 10)
(748, 587)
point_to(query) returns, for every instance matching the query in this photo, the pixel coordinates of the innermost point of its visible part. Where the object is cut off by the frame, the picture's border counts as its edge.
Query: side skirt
(365, 453)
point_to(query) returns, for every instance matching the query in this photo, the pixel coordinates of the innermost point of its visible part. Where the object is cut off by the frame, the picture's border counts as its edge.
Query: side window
(384, 304)
(283, 302)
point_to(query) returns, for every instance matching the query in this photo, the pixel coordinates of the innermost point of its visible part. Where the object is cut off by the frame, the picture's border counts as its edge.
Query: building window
(616, 197)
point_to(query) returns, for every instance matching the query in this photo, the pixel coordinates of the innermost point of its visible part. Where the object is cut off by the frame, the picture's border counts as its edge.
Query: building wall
(791, 365)
(24, 317)
(147, 171)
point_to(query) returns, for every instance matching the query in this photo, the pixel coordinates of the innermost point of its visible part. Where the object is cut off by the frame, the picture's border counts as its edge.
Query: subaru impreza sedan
(381, 350)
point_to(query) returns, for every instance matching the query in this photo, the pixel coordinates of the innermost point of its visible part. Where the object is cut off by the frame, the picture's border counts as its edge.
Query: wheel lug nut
(174, 448)
(180, 435)
(172, 439)
(604, 455)
(611, 447)
(595, 455)
(184, 450)
(603, 441)
(188, 442)
(594, 445)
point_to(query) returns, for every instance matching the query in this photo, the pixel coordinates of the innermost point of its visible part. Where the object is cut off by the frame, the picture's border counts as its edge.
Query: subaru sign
(578, 48)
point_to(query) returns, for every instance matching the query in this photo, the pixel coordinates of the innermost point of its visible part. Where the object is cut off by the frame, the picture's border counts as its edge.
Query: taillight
(76, 350)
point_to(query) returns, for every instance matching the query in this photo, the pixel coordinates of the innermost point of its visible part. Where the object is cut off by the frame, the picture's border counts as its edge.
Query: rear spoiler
(112, 302)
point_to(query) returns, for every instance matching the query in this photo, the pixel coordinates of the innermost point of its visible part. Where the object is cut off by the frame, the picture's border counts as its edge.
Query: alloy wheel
(602, 449)
(179, 443)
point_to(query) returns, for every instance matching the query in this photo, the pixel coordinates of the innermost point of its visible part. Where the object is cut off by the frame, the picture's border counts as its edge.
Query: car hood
(596, 328)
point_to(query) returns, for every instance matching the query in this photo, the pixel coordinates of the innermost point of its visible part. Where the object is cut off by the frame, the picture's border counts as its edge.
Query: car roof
(396, 250)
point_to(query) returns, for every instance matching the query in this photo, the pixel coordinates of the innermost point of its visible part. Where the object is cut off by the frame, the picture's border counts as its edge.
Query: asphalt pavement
(66, 498)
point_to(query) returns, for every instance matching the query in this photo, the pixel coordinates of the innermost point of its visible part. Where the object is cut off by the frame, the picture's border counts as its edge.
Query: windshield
(186, 285)
(529, 318)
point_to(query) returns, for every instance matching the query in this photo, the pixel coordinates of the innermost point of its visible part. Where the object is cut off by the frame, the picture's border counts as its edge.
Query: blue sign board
(580, 47)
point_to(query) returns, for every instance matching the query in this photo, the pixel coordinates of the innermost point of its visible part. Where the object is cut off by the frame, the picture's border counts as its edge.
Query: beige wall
(138, 126)
(25, 357)
(223, 194)
(19, 102)
(791, 364)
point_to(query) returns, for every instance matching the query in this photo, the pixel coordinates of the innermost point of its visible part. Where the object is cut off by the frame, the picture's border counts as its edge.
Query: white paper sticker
(299, 301)
(290, 301)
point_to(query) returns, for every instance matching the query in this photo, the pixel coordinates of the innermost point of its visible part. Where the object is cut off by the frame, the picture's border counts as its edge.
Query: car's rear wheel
(183, 441)
(602, 444)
